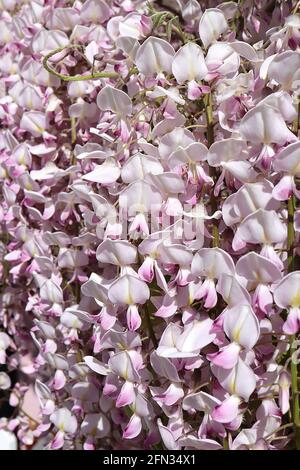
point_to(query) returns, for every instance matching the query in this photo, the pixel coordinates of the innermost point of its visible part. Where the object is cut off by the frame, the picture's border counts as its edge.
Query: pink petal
(133, 428)
(226, 357)
(133, 318)
(59, 380)
(126, 396)
(292, 323)
(146, 270)
(227, 411)
(58, 441)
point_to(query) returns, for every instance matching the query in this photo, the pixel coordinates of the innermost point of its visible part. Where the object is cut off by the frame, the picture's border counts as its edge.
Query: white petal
(154, 56)
(114, 100)
(189, 64)
(212, 24)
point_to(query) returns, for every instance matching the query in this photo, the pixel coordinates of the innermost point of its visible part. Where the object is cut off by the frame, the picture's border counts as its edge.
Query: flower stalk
(212, 170)
(293, 347)
(74, 78)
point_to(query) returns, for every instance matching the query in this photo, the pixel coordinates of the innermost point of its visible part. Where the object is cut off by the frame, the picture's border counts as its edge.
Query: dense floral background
(150, 275)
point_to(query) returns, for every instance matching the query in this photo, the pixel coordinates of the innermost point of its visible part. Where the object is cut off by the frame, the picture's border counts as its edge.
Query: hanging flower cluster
(150, 275)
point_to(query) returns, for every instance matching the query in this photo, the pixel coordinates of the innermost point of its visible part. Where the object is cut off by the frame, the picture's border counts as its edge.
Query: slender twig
(293, 348)
(212, 171)
(150, 327)
(291, 234)
(296, 8)
(73, 138)
(73, 130)
(281, 428)
(225, 443)
(74, 78)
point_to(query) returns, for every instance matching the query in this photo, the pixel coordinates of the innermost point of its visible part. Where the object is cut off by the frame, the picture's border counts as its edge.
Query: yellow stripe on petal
(295, 302)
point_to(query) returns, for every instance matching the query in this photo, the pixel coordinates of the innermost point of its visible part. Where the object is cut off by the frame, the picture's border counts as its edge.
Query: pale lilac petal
(226, 411)
(212, 24)
(133, 428)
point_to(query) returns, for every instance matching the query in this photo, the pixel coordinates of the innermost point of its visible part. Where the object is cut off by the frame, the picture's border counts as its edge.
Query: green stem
(209, 120)
(150, 327)
(291, 233)
(281, 428)
(295, 126)
(296, 8)
(212, 170)
(293, 347)
(74, 78)
(73, 131)
(295, 393)
(225, 443)
(73, 138)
